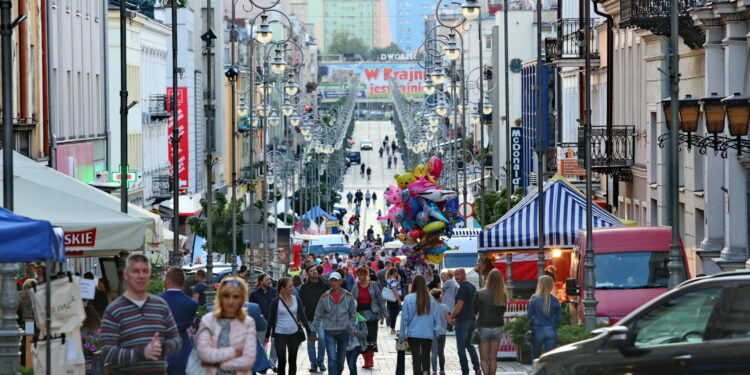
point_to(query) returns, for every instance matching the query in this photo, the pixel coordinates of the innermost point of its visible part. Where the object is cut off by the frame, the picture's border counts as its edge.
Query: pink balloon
(392, 214)
(420, 186)
(435, 167)
(393, 196)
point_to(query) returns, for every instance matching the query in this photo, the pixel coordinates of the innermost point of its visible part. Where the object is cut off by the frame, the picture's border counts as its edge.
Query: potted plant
(517, 329)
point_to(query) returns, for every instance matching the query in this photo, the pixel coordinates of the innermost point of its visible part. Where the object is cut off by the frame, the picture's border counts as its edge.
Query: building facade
(77, 88)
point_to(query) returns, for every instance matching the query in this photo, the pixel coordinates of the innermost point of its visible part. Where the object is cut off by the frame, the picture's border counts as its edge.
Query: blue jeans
(336, 349)
(463, 344)
(542, 335)
(314, 361)
(351, 359)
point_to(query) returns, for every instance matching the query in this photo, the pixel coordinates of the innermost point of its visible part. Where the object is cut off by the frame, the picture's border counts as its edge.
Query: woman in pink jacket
(226, 340)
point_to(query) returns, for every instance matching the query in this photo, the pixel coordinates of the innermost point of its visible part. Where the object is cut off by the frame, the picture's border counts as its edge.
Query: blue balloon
(451, 207)
(407, 224)
(416, 207)
(434, 211)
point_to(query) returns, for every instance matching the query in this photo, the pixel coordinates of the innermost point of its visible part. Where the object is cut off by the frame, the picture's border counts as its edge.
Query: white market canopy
(564, 213)
(91, 218)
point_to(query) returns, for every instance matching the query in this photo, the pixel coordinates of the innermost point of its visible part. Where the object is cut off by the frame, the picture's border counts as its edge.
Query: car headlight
(602, 321)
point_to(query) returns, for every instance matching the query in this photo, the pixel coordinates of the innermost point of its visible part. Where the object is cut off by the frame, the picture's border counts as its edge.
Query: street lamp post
(589, 302)
(539, 141)
(175, 140)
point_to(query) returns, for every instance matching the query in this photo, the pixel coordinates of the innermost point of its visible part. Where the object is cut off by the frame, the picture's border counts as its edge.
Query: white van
(466, 256)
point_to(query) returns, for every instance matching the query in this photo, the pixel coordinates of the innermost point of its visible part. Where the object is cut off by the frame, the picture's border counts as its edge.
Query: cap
(334, 276)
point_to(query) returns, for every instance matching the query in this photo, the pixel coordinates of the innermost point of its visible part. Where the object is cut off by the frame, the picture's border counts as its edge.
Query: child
(438, 346)
(356, 343)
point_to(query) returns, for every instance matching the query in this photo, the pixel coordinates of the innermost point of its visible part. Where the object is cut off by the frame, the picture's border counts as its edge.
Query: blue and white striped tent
(565, 214)
(317, 212)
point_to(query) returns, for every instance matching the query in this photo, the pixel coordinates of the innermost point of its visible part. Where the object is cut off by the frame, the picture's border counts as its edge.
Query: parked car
(365, 145)
(355, 157)
(465, 256)
(699, 327)
(631, 269)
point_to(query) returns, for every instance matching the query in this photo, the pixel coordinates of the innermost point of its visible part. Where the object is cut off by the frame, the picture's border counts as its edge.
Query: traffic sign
(462, 210)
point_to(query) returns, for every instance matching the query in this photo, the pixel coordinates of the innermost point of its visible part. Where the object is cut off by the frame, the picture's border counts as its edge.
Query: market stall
(514, 238)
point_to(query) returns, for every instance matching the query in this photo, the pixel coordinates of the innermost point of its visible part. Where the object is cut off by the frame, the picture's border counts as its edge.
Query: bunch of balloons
(422, 211)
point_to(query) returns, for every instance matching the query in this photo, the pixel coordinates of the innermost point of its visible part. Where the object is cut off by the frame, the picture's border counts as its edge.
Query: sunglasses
(232, 282)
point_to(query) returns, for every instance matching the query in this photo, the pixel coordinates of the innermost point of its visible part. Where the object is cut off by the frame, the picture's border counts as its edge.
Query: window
(682, 319)
(735, 322)
(488, 42)
(632, 270)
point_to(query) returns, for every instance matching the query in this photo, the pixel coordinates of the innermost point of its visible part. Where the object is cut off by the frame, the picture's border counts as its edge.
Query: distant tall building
(357, 17)
(407, 21)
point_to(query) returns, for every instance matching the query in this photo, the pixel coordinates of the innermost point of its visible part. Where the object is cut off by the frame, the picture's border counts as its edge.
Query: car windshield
(632, 270)
(460, 260)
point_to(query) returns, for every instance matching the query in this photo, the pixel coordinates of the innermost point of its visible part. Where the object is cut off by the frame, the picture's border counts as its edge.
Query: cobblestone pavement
(385, 359)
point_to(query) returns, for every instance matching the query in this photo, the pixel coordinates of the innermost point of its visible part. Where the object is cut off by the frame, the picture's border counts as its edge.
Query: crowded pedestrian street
(374, 187)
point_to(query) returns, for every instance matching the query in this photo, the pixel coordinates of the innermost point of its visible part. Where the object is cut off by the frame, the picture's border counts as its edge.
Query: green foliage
(517, 329)
(392, 48)
(156, 283)
(221, 221)
(567, 334)
(495, 204)
(344, 42)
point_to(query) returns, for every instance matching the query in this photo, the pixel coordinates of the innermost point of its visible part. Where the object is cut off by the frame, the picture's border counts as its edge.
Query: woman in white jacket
(226, 340)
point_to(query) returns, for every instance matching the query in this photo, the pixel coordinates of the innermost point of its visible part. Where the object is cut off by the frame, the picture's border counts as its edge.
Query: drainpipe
(23, 66)
(610, 91)
(47, 137)
(105, 52)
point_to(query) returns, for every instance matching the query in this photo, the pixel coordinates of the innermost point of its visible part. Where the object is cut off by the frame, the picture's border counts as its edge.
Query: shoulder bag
(300, 334)
(388, 294)
(194, 364)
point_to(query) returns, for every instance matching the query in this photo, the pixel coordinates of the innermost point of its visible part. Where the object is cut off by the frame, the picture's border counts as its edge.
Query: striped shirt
(127, 329)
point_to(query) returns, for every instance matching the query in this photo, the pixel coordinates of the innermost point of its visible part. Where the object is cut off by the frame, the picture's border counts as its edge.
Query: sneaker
(321, 367)
(313, 368)
(478, 372)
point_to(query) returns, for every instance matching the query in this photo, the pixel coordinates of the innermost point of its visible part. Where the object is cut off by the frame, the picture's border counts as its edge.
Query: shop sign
(85, 238)
(515, 157)
(182, 123)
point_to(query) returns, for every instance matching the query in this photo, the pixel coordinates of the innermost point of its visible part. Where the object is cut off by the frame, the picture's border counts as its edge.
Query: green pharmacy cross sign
(132, 176)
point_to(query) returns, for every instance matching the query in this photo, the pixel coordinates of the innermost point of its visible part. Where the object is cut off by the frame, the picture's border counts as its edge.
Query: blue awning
(317, 212)
(564, 214)
(27, 240)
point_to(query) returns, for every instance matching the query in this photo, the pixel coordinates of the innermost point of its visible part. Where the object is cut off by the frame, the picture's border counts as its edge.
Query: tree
(344, 42)
(392, 48)
(221, 221)
(496, 204)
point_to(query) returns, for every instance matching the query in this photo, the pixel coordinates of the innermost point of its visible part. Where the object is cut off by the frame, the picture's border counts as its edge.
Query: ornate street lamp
(274, 119)
(433, 121)
(294, 120)
(486, 106)
(264, 33)
(278, 65)
(738, 113)
(453, 87)
(262, 110)
(475, 118)
(438, 76)
(441, 108)
(470, 9)
(287, 109)
(291, 87)
(264, 88)
(242, 110)
(428, 88)
(451, 50)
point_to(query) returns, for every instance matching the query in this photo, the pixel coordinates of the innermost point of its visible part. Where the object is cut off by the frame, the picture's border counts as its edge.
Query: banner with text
(373, 79)
(182, 123)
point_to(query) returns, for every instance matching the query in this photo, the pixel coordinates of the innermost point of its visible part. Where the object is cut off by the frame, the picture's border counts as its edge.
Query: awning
(317, 212)
(91, 219)
(190, 205)
(565, 214)
(25, 240)
(29, 169)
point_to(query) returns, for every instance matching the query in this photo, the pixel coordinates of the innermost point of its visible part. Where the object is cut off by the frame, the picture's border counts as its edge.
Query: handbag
(300, 334)
(475, 339)
(194, 363)
(388, 294)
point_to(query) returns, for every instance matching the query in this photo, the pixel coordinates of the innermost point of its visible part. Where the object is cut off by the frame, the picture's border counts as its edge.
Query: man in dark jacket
(263, 296)
(310, 293)
(183, 310)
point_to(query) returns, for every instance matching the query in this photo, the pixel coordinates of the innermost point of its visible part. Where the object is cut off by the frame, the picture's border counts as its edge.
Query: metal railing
(654, 15)
(568, 43)
(609, 148)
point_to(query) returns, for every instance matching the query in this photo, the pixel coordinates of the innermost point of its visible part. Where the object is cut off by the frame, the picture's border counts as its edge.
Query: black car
(355, 157)
(700, 327)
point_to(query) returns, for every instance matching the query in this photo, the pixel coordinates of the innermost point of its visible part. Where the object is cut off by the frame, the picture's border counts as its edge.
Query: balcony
(156, 107)
(612, 150)
(654, 16)
(161, 186)
(566, 50)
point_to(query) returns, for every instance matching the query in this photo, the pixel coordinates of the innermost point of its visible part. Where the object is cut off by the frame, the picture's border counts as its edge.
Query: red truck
(631, 269)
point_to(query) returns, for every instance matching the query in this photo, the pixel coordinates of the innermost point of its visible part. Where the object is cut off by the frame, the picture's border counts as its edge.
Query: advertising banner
(516, 159)
(374, 79)
(182, 123)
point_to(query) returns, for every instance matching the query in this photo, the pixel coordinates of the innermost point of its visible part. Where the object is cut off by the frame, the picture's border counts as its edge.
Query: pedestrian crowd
(334, 306)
